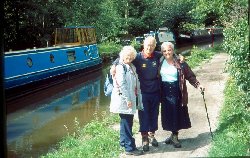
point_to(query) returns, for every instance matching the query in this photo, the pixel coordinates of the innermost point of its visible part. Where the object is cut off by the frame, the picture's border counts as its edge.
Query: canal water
(38, 121)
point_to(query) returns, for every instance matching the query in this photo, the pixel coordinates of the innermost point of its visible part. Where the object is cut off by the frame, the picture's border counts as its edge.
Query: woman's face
(128, 58)
(168, 52)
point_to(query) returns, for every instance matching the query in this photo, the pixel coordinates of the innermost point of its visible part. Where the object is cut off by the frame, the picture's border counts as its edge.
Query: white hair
(128, 50)
(150, 38)
(164, 44)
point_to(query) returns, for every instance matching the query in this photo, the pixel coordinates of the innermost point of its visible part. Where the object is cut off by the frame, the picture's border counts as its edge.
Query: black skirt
(174, 116)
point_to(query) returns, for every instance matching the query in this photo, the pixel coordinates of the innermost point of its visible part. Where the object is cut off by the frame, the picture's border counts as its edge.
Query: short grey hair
(150, 38)
(128, 50)
(164, 44)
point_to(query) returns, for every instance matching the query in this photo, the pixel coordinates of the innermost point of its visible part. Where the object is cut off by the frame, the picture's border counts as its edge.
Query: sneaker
(153, 141)
(135, 152)
(145, 143)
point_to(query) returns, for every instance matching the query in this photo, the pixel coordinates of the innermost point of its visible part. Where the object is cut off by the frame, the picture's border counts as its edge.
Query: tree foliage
(233, 15)
(31, 23)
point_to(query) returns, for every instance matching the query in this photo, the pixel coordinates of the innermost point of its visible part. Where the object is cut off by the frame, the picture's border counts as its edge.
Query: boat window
(71, 56)
(75, 36)
(52, 58)
(29, 62)
(86, 52)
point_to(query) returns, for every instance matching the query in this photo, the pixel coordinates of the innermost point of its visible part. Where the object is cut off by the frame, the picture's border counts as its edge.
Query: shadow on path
(188, 144)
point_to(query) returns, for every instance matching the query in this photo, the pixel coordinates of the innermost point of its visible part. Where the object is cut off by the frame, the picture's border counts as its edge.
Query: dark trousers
(148, 118)
(126, 136)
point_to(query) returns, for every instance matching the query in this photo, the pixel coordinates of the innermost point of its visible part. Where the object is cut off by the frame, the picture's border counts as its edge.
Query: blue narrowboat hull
(29, 66)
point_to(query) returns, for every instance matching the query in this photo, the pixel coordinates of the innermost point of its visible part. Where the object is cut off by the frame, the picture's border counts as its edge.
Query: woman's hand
(201, 88)
(129, 104)
(182, 58)
(113, 70)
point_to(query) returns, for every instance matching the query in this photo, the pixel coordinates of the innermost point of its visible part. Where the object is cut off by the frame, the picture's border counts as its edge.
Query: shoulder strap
(161, 62)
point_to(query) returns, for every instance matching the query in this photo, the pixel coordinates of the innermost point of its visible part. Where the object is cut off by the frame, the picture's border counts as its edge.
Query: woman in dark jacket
(174, 110)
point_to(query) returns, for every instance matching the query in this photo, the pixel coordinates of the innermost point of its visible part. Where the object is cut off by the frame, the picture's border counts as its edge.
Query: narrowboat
(200, 35)
(74, 52)
(162, 35)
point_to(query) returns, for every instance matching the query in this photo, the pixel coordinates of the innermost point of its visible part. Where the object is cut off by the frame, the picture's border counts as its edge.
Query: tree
(30, 23)
(109, 22)
(176, 14)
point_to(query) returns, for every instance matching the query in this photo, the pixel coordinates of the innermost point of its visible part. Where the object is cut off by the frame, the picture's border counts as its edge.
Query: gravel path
(197, 139)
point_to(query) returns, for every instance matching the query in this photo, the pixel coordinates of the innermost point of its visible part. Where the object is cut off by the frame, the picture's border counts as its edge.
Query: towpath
(197, 139)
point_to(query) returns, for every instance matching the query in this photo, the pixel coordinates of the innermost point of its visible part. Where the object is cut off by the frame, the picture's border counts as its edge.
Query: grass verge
(232, 136)
(96, 139)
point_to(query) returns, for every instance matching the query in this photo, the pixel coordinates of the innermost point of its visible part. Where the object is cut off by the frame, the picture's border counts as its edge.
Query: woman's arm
(189, 75)
(121, 83)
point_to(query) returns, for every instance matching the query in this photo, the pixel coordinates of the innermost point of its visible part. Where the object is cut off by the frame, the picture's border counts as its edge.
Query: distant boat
(75, 51)
(162, 35)
(200, 35)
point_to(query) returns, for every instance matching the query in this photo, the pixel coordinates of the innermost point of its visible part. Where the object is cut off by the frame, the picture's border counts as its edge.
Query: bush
(236, 43)
(109, 50)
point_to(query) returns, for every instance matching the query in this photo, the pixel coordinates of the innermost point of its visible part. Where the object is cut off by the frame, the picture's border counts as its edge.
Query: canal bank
(42, 139)
(74, 150)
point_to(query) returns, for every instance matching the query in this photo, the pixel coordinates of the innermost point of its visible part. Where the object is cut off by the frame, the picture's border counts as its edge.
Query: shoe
(145, 143)
(135, 152)
(175, 141)
(153, 141)
(168, 140)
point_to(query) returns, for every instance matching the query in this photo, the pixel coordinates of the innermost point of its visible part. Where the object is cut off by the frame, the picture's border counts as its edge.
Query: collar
(177, 63)
(147, 56)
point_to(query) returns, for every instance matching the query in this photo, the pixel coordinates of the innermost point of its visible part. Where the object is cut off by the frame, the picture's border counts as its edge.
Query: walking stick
(202, 92)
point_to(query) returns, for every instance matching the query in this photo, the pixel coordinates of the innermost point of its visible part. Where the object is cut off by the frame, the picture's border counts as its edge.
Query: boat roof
(36, 50)
(74, 27)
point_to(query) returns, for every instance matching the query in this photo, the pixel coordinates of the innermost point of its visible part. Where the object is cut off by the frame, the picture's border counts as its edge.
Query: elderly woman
(174, 110)
(126, 98)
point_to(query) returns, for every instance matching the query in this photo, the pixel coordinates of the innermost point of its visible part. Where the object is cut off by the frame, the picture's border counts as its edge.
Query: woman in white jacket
(126, 98)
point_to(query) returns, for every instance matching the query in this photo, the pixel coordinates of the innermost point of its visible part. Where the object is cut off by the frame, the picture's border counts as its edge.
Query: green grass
(96, 139)
(198, 55)
(232, 137)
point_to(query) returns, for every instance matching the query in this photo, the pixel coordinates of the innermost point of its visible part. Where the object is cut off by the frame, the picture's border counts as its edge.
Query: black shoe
(135, 152)
(153, 141)
(145, 143)
(168, 140)
(175, 141)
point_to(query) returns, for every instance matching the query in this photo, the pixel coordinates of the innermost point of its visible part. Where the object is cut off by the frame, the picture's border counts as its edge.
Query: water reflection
(32, 130)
